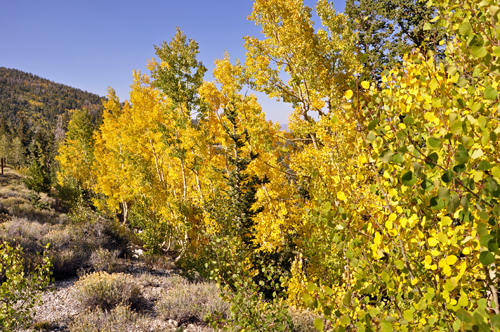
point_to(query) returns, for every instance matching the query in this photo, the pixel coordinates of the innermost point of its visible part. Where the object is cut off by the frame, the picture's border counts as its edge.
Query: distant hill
(40, 101)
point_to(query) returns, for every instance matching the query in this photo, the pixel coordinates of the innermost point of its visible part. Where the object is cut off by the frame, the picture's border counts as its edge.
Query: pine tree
(37, 177)
(241, 195)
(4, 126)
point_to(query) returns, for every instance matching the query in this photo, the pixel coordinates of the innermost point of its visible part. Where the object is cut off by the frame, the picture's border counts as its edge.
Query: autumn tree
(390, 28)
(179, 74)
(432, 160)
(76, 152)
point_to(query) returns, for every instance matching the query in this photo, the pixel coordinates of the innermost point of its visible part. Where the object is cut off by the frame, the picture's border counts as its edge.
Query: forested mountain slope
(32, 97)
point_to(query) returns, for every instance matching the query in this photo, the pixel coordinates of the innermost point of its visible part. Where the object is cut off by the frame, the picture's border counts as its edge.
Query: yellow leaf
(447, 270)
(432, 241)
(388, 224)
(365, 85)
(443, 238)
(433, 84)
(446, 221)
(452, 259)
(429, 116)
(348, 94)
(463, 301)
(341, 196)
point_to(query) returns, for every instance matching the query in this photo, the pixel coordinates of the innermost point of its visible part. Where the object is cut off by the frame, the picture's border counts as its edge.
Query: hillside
(40, 100)
(103, 280)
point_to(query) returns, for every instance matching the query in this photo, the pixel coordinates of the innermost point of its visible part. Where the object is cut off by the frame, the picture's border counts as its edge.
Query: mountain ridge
(40, 100)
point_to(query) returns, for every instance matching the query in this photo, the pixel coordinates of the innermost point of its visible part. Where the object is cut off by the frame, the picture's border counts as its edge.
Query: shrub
(18, 291)
(303, 320)
(36, 201)
(192, 301)
(37, 177)
(106, 291)
(68, 262)
(71, 245)
(43, 325)
(121, 318)
(106, 260)
(250, 310)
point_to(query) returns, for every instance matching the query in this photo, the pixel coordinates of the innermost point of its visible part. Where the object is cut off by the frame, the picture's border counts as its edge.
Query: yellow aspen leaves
(451, 259)
(432, 242)
(341, 196)
(388, 189)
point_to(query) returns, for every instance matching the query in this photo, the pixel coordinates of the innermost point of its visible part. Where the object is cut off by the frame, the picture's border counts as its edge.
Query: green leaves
(318, 324)
(490, 93)
(373, 124)
(409, 179)
(453, 204)
(462, 155)
(465, 29)
(478, 51)
(436, 203)
(183, 74)
(386, 156)
(434, 142)
(486, 258)
(20, 293)
(484, 165)
(456, 127)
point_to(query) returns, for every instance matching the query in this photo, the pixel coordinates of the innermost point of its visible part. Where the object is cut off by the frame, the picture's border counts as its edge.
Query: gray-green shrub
(106, 291)
(187, 300)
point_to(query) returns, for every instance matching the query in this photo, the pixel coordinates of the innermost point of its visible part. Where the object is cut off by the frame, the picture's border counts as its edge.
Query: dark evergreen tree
(37, 177)
(4, 126)
(241, 195)
(22, 129)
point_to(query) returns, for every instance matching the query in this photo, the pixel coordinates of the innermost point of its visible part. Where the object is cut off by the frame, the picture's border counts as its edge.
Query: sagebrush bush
(71, 245)
(188, 301)
(24, 232)
(303, 320)
(68, 262)
(106, 260)
(67, 254)
(58, 237)
(121, 318)
(106, 291)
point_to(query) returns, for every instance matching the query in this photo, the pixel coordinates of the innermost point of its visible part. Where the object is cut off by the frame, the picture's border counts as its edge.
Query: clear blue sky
(94, 44)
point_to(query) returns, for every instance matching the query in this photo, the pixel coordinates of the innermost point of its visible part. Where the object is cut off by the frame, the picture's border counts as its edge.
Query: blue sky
(94, 44)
